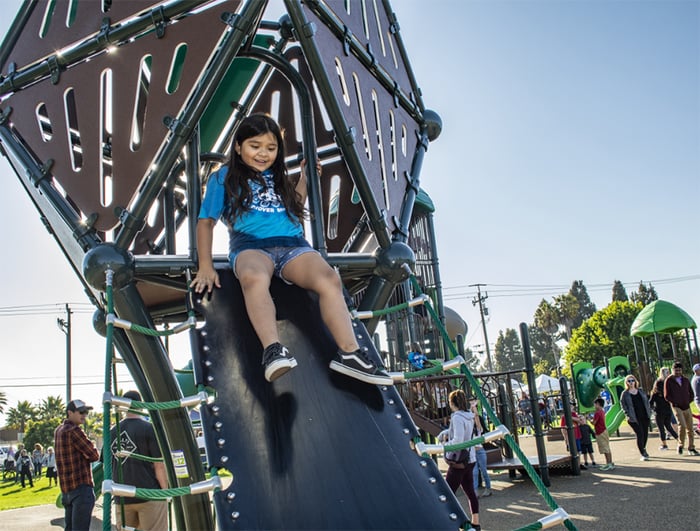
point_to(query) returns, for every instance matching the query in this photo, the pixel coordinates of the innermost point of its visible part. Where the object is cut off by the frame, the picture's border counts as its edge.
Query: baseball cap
(133, 395)
(78, 405)
(696, 367)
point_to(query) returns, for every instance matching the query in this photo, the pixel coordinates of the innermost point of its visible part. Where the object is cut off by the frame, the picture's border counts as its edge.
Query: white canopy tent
(546, 384)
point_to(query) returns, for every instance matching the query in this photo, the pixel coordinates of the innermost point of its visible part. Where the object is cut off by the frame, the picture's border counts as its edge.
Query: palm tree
(567, 307)
(51, 407)
(3, 401)
(17, 417)
(547, 317)
(93, 427)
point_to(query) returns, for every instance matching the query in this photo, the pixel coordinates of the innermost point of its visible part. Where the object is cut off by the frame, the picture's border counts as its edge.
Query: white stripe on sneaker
(348, 356)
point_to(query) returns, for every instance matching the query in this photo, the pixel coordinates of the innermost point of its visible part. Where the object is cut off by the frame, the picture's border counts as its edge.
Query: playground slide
(614, 417)
(314, 449)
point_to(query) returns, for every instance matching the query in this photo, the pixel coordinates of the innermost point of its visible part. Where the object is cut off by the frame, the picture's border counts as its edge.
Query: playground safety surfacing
(637, 495)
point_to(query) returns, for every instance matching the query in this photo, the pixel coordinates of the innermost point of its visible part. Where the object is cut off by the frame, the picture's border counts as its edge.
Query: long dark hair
(459, 399)
(240, 174)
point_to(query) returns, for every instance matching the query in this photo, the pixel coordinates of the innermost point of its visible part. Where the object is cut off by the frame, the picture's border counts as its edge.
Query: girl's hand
(302, 167)
(206, 279)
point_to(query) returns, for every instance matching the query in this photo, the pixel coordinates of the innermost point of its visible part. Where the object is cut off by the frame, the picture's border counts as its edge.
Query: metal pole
(575, 458)
(65, 326)
(69, 354)
(658, 348)
(537, 420)
(480, 300)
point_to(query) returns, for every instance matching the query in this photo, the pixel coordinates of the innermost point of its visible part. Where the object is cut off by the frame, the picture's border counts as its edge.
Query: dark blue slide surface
(314, 449)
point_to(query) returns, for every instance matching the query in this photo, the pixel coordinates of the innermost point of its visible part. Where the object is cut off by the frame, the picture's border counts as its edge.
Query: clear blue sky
(570, 150)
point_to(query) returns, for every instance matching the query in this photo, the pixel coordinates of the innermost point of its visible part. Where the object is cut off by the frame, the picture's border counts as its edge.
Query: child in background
(586, 442)
(602, 436)
(576, 420)
(24, 467)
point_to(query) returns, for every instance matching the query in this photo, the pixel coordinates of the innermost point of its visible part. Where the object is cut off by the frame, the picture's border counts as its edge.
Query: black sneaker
(357, 365)
(680, 450)
(277, 361)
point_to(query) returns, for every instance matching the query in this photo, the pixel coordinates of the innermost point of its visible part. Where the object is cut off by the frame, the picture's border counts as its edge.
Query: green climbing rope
(140, 457)
(474, 385)
(392, 309)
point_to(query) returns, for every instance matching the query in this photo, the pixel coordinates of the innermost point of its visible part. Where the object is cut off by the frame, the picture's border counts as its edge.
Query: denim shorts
(280, 257)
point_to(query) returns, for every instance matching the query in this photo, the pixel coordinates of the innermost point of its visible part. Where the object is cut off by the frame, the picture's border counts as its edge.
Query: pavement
(662, 493)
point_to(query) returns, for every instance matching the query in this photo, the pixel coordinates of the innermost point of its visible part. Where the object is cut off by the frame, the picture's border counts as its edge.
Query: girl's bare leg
(254, 271)
(310, 271)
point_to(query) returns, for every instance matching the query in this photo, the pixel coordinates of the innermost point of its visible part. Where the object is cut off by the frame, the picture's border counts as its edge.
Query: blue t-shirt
(266, 220)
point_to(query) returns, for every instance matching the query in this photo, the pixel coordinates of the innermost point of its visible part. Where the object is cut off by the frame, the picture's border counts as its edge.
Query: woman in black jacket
(635, 404)
(662, 409)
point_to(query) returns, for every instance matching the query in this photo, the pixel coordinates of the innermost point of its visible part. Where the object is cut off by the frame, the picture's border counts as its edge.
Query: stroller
(9, 470)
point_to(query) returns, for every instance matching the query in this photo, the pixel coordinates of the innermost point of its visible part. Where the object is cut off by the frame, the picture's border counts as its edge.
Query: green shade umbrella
(661, 317)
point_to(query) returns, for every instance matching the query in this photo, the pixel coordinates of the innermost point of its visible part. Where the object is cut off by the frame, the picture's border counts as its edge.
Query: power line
(523, 290)
(60, 384)
(45, 309)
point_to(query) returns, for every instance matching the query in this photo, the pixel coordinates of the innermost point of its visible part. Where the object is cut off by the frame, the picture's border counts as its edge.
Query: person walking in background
(662, 409)
(602, 437)
(74, 455)
(461, 471)
(50, 463)
(695, 384)
(635, 404)
(37, 459)
(264, 209)
(20, 447)
(525, 409)
(24, 467)
(136, 438)
(679, 393)
(481, 458)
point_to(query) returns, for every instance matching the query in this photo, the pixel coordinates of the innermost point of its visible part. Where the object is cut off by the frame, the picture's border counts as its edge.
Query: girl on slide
(263, 210)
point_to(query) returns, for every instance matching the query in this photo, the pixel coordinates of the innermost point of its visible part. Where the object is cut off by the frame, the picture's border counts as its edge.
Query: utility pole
(483, 310)
(65, 326)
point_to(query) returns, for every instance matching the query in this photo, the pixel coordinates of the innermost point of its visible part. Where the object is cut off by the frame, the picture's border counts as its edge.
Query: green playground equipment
(589, 381)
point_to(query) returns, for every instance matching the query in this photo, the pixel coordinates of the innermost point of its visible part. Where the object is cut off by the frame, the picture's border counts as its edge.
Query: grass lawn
(13, 496)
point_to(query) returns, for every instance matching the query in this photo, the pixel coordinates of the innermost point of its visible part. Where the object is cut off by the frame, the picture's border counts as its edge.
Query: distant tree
(544, 367)
(542, 346)
(644, 294)
(51, 407)
(17, 417)
(619, 294)
(586, 308)
(508, 353)
(41, 431)
(3, 401)
(471, 360)
(93, 427)
(547, 318)
(605, 334)
(567, 307)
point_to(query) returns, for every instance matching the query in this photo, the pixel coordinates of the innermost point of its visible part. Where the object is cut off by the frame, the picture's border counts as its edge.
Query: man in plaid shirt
(74, 455)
